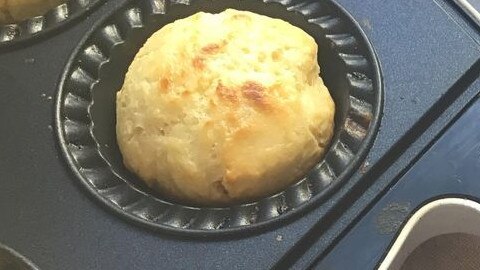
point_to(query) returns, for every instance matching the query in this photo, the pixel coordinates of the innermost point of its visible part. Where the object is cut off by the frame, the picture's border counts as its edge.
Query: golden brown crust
(198, 63)
(211, 117)
(211, 48)
(254, 92)
(226, 93)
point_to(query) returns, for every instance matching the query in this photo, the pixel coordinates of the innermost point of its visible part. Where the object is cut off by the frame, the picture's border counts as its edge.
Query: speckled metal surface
(423, 52)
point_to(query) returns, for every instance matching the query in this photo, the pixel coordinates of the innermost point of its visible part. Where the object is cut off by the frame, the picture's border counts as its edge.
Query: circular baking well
(56, 17)
(85, 112)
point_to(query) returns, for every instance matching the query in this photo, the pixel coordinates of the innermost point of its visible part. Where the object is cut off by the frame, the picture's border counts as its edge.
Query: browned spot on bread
(276, 55)
(226, 93)
(164, 84)
(241, 17)
(254, 91)
(211, 48)
(186, 93)
(198, 63)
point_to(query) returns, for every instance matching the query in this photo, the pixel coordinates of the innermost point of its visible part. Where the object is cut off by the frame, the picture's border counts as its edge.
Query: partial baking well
(12, 260)
(452, 217)
(17, 32)
(85, 112)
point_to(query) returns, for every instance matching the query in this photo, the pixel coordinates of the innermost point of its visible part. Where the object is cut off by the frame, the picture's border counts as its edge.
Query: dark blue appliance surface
(450, 168)
(429, 55)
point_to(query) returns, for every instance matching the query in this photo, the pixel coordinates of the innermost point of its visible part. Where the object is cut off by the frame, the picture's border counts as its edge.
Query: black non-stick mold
(12, 260)
(85, 112)
(11, 34)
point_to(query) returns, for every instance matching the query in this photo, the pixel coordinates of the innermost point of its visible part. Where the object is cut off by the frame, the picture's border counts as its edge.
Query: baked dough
(221, 108)
(18, 10)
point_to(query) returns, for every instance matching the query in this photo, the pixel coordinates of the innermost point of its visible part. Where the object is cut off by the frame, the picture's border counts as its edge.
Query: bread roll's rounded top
(220, 108)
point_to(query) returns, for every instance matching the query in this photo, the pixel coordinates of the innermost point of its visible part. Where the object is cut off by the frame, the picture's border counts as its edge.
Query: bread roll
(222, 108)
(12, 11)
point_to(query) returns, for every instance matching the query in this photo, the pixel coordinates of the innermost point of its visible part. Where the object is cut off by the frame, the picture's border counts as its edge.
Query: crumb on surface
(364, 167)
